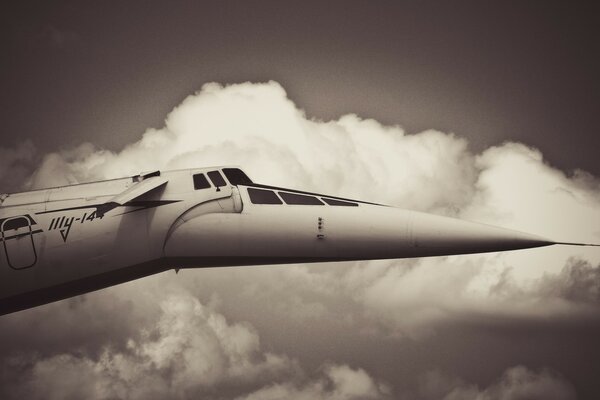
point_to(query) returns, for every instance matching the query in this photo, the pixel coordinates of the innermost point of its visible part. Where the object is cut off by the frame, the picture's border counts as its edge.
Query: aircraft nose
(388, 232)
(455, 236)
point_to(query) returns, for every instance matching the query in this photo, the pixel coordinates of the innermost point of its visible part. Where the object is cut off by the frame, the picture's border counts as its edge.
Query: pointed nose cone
(443, 235)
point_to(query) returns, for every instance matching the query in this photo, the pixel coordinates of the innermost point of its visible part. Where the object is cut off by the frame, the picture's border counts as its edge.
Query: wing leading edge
(145, 183)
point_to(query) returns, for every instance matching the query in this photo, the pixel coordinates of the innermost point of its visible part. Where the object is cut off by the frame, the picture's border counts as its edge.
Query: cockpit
(235, 176)
(264, 194)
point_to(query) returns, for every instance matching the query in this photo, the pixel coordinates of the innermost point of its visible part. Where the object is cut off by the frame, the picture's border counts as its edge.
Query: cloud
(578, 282)
(515, 383)
(188, 350)
(406, 298)
(339, 382)
(312, 308)
(256, 126)
(414, 298)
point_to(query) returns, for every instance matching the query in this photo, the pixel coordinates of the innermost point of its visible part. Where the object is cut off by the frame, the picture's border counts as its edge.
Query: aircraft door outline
(28, 254)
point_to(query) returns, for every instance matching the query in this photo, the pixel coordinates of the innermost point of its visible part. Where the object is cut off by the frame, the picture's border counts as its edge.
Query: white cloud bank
(257, 127)
(515, 383)
(190, 350)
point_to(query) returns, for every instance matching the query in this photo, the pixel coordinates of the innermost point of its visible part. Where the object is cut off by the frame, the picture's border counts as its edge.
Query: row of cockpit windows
(200, 181)
(235, 176)
(262, 196)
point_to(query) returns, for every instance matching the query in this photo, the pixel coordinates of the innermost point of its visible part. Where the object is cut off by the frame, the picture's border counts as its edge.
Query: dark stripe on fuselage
(144, 204)
(68, 209)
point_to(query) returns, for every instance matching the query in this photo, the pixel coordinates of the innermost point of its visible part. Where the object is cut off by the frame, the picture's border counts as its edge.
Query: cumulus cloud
(515, 383)
(189, 350)
(578, 282)
(339, 382)
(411, 298)
(414, 298)
(257, 127)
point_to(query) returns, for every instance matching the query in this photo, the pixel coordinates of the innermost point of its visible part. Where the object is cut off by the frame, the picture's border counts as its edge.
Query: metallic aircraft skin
(64, 241)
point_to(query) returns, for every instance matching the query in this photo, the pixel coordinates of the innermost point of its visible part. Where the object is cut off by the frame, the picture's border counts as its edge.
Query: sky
(486, 114)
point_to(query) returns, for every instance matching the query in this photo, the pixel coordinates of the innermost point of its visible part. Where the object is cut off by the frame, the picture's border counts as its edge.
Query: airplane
(65, 241)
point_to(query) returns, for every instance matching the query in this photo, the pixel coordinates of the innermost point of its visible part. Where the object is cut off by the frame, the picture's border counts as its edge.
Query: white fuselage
(64, 241)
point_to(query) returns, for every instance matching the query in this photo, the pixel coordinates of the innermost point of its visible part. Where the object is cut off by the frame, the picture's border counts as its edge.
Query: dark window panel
(260, 196)
(293, 198)
(237, 177)
(17, 223)
(334, 202)
(200, 182)
(216, 178)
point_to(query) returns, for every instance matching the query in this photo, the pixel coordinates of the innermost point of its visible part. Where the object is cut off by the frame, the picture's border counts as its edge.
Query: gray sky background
(105, 71)
(361, 100)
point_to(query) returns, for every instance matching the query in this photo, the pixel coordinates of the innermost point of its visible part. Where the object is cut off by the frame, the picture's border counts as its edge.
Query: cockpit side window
(261, 196)
(334, 202)
(200, 182)
(237, 177)
(293, 198)
(216, 178)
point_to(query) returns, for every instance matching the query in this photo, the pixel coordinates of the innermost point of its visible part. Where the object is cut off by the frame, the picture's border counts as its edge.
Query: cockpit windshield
(236, 176)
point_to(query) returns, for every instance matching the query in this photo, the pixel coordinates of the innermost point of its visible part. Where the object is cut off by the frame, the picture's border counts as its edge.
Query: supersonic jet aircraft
(69, 240)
